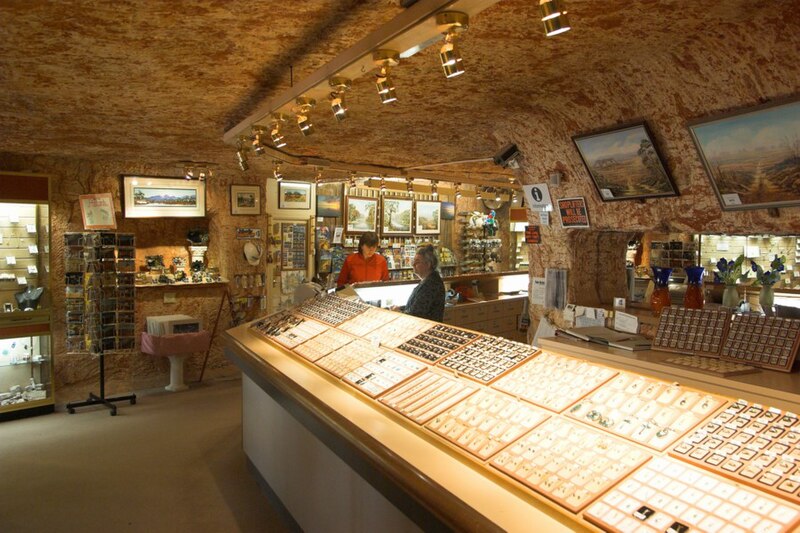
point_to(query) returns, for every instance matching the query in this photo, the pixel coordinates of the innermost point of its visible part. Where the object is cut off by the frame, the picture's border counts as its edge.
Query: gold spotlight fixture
(241, 154)
(497, 195)
(351, 183)
(410, 185)
(259, 133)
(276, 171)
(554, 17)
(514, 197)
(383, 184)
(451, 23)
(339, 85)
(275, 132)
(318, 177)
(458, 190)
(478, 195)
(435, 189)
(303, 109)
(385, 59)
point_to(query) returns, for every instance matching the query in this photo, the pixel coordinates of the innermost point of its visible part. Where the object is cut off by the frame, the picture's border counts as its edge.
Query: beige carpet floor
(172, 462)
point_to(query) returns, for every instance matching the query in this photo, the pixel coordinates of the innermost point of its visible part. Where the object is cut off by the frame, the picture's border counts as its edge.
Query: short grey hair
(428, 254)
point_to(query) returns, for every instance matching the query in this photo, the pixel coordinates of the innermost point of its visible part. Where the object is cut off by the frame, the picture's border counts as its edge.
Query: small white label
(33, 249)
(14, 219)
(32, 269)
(625, 322)
(619, 303)
(731, 199)
(606, 193)
(723, 246)
(544, 218)
(11, 260)
(31, 228)
(22, 280)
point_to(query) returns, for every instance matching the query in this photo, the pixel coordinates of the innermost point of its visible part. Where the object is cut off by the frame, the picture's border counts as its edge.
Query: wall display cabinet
(603, 445)
(26, 366)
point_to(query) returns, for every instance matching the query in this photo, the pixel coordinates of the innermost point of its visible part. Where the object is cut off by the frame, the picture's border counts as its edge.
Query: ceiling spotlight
(259, 132)
(554, 17)
(338, 106)
(478, 194)
(204, 174)
(497, 195)
(451, 23)
(514, 198)
(188, 173)
(277, 137)
(241, 154)
(304, 107)
(385, 59)
(276, 171)
(383, 184)
(410, 185)
(318, 177)
(351, 183)
(435, 189)
(458, 190)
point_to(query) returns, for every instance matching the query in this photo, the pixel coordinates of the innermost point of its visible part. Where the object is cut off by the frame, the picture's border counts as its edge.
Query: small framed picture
(8, 308)
(294, 195)
(428, 217)
(245, 199)
(97, 211)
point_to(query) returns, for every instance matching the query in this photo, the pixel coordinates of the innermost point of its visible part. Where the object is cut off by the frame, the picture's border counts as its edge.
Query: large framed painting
(97, 211)
(294, 195)
(362, 214)
(428, 219)
(329, 199)
(245, 199)
(396, 216)
(625, 164)
(753, 156)
(153, 197)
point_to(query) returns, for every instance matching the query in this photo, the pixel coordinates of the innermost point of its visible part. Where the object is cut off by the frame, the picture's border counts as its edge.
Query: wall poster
(294, 246)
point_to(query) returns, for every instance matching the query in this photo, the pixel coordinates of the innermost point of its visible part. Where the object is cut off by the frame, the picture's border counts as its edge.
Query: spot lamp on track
(478, 195)
(259, 134)
(458, 190)
(451, 23)
(303, 109)
(435, 189)
(338, 106)
(385, 59)
(241, 154)
(410, 185)
(276, 171)
(278, 140)
(554, 17)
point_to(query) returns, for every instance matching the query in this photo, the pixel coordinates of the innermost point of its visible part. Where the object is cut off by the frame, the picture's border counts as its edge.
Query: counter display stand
(569, 448)
(26, 365)
(100, 302)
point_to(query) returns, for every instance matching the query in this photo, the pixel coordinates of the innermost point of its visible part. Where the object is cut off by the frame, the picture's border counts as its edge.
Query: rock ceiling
(161, 81)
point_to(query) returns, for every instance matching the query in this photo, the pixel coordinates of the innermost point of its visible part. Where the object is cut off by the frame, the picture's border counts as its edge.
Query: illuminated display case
(26, 371)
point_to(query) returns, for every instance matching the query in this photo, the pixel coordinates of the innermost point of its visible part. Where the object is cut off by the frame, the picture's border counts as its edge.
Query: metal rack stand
(94, 399)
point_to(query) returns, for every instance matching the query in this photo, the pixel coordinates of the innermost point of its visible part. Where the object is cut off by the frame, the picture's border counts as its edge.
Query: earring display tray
(569, 463)
(383, 372)
(331, 309)
(287, 329)
(428, 394)
(751, 444)
(349, 357)
(486, 422)
(764, 341)
(665, 495)
(554, 381)
(368, 321)
(488, 358)
(322, 345)
(437, 342)
(400, 330)
(691, 331)
(710, 365)
(651, 412)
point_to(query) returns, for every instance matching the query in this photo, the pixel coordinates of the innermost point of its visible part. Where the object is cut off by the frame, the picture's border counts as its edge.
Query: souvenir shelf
(26, 365)
(479, 250)
(100, 298)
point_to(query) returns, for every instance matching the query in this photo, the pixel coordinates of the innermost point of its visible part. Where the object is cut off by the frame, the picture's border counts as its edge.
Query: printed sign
(573, 212)
(532, 235)
(537, 196)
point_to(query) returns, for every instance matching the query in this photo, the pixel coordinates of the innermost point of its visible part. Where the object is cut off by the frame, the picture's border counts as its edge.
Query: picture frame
(245, 199)
(362, 214)
(329, 199)
(294, 195)
(428, 217)
(397, 216)
(159, 197)
(751, 155)
(448, 211)
(624, 163)
(97, 211)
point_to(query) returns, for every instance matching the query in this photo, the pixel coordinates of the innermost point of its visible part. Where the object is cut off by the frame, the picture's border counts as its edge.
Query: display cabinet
(25, 341)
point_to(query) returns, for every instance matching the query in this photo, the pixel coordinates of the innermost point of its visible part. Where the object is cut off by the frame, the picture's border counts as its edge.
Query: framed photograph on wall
(294, 195)
(752, 156)
(362, 214)
(329, 199)
(428, 219)
(97, 211)
(396, 216)
(153, 197)
(625, 164)
(245, 199)
(448, 211)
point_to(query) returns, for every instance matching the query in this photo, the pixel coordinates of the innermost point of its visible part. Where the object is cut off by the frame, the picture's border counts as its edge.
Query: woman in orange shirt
(365, 264)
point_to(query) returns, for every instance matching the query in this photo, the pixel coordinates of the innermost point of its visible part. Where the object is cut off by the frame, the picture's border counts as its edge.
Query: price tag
(14, 219)
(32, 269)
(731, 199)
(22, 280)
(11, 260)
(31, 228)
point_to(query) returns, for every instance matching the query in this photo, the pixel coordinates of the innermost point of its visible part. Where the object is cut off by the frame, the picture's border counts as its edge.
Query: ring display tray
(287, 329)
(437, 342)
(691, 331)
(764, 341)
(428, 394)
(331, 309)
(711, 365)
(488, 358)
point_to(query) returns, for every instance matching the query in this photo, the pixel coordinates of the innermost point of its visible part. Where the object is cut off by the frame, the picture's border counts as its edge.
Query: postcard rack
(100, 297)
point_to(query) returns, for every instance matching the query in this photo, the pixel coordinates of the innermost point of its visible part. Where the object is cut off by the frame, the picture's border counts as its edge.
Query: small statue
(491, 223)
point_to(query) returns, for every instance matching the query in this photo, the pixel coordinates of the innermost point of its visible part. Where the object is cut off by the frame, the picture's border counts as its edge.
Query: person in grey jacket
(427, 299)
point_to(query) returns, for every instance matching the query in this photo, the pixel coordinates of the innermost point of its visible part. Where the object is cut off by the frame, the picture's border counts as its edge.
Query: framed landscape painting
(428, 217)
(625, 164)
(753, 156)
(329, 200)
(362, 214)
(245, 199)
(294, 195)
(152, 197)
(396, 216)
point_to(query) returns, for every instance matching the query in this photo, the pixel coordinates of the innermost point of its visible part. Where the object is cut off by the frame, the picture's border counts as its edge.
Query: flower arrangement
(729, 272)
(769, 277)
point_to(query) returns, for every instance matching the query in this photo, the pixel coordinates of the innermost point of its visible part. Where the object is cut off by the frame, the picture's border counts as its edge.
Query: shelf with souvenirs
(480, 244)
(564, 432)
